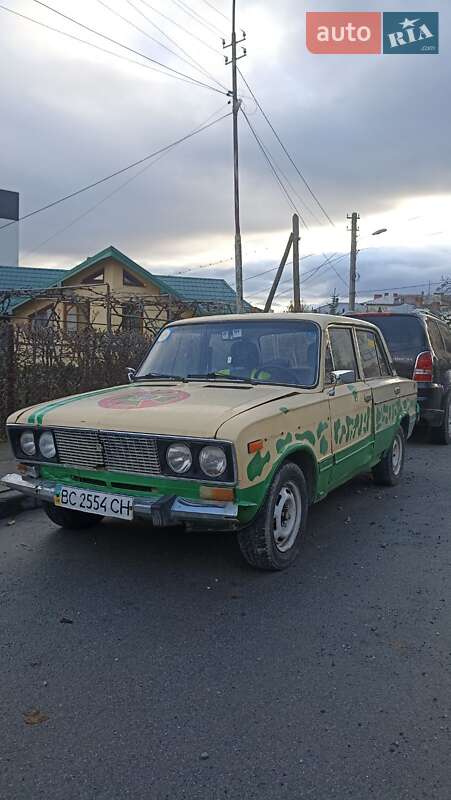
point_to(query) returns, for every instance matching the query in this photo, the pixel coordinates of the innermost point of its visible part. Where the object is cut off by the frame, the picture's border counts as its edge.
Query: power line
(197, 17)
(304, 180)
(213, 8)
(96, 46)
(124, 46)
(272, 167)
(114, 174)
(110, 194)
(182, 27)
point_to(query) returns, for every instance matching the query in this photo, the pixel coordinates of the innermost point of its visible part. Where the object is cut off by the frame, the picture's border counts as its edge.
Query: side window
(434, 335)
(383, 363)
(368, 353)
(446, 336)
(342, 350)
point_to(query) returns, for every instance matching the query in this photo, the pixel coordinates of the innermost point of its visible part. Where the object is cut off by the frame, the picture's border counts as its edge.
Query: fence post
(11, 368)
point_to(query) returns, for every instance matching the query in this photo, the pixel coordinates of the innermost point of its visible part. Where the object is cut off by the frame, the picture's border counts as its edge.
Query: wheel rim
(287, 516)
(397, 454)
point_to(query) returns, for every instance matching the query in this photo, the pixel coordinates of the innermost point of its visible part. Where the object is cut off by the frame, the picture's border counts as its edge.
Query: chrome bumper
(163, 511)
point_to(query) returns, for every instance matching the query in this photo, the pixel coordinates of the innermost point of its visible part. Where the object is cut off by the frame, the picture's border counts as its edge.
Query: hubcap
(287, 516)
(396, 454)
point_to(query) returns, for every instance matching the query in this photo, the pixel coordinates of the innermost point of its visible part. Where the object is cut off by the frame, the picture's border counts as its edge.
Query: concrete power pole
(353, 259)
(236, 107)
(296, 275)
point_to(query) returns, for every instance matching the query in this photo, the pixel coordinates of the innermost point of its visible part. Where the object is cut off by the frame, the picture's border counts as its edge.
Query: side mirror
(342, 376)
(131, 374)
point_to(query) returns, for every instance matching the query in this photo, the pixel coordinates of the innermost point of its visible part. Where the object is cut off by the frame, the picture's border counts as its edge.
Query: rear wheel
(71, 520)
(272, 540)
(389, 470)
(442, 435)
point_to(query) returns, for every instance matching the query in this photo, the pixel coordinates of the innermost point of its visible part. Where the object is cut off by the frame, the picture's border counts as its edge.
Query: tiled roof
(215, 290)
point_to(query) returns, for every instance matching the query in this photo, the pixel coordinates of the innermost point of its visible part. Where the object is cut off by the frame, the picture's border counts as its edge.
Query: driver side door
(350, 408)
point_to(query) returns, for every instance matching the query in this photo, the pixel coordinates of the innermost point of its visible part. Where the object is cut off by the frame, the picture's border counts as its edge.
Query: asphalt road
(330, 680)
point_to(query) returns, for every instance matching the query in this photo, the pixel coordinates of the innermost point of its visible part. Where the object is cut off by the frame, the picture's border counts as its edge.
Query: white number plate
(106, 505)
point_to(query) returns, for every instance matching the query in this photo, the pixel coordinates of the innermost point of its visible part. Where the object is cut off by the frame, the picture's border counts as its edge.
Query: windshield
(265, 352)
(404, 335)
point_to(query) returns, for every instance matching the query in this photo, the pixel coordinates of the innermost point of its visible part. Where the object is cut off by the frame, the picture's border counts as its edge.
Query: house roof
(214, 290)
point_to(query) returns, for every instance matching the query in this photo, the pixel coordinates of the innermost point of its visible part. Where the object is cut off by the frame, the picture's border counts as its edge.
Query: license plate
(106, 505)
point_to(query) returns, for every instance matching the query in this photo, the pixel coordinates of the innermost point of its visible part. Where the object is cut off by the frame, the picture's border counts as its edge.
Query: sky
(370, 133)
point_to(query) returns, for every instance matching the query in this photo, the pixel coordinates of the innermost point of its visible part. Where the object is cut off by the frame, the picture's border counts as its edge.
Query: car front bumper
(163, 511)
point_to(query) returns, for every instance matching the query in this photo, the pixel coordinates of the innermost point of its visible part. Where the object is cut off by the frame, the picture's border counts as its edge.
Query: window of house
(128, 279)
(95, 277)
(42, 318)
(374, 362)
(76, 316)
(132, 318)
(342, 349)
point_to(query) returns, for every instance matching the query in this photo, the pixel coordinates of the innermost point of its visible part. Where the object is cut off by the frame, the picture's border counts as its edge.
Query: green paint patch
(284, 409)
(306, 436)
(323, 426)
(323, 445)
(257, 465)
(281, 444)
(353, 391)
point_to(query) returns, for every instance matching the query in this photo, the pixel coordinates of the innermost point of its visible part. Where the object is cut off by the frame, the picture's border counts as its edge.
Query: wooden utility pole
(296, 275)
(353, 259)
(236, 180)
(279, 272)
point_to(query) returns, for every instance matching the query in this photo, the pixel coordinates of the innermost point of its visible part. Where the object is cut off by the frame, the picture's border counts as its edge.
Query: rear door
(386, 389)
(350, 408)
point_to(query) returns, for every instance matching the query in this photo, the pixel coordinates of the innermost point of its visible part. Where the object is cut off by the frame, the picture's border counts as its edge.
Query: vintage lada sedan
(230, 423)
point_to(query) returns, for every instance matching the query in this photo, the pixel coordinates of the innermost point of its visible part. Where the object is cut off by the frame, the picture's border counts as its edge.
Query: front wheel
(272, 540)
(389, 470)
(71, 520)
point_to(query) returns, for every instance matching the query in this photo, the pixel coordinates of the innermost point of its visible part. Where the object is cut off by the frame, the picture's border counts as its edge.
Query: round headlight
(213, 461)
(179, 458)
(27, 443)
(47, 445)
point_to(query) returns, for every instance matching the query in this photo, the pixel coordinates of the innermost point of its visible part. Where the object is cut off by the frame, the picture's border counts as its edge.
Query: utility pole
(296, 275)
(353, 258)
(236, 181)
(279, 273)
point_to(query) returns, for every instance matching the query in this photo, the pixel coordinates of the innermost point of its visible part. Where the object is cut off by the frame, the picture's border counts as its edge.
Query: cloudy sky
(370, 133)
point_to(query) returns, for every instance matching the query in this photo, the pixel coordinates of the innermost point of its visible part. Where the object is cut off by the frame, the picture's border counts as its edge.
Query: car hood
(180, 409)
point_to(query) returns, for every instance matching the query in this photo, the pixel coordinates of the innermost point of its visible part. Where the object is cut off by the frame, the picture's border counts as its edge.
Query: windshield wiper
(210, 376)
(159, 376)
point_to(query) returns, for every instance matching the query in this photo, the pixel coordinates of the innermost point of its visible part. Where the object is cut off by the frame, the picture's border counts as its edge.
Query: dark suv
(420, 345)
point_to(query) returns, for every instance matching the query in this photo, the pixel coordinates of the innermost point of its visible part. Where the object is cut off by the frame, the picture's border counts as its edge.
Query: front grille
(120, 452)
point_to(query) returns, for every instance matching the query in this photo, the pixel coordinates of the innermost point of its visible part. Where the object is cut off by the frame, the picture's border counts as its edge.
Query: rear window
(404, 335)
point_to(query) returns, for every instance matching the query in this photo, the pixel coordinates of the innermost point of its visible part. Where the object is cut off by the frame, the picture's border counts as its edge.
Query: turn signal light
(423, 368)
(216, 493)
(254, 447)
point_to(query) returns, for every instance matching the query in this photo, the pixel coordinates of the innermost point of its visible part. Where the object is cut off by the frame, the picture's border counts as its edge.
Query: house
(109, 290)
(340, 308)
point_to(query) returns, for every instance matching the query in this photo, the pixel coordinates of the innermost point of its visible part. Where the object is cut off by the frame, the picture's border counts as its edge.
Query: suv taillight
(423, 367)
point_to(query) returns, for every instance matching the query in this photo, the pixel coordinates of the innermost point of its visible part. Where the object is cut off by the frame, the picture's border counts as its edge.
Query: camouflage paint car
(234, 422)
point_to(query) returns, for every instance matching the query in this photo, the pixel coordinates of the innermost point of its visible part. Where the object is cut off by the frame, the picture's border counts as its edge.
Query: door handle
(397, 389)
(367, 397)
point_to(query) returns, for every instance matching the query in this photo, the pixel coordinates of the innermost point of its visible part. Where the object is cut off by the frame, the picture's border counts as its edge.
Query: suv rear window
(404, 335)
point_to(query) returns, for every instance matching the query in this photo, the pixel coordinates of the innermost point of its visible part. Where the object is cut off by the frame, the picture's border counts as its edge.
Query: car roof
(323, 320)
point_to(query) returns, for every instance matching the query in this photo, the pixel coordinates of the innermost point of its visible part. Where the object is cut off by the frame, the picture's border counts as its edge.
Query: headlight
(27, 443)
(213, 461)
(47, 445)
(179, 458)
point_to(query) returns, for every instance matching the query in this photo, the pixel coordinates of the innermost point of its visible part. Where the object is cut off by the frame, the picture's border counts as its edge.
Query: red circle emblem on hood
(143, 398)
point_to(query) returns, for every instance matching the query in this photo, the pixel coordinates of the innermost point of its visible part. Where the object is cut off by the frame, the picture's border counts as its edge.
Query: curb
(13, 503)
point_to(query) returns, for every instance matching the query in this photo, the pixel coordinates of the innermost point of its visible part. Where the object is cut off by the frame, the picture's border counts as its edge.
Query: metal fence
(46, 363)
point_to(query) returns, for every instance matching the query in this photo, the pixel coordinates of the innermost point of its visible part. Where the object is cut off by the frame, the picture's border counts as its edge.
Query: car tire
(390, 468)
(442, 434)
(71, 520)
(272, 540)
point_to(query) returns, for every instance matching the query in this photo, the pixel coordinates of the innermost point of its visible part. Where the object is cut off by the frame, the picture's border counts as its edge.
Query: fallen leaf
(34, 717)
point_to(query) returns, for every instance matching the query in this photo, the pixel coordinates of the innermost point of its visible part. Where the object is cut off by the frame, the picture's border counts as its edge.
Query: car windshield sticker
(225, 335)
(236, 333)
(143, 398)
